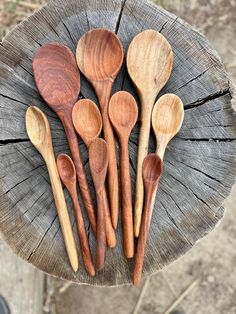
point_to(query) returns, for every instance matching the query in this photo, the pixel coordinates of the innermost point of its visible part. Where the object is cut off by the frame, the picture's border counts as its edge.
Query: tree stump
(200, 164)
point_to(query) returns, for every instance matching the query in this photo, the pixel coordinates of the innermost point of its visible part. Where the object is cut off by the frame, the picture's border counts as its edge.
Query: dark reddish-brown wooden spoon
(58, 80)
(67, 172)
(152, 171)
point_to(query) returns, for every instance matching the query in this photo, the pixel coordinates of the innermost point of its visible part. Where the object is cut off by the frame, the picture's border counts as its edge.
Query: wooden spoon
(167, 119)
(100, 57)
(149, 63)
(87, 121)
(123, 113)
(39, 132)
(98, 161)
(67, 172)
(58, 80)
(152, 171)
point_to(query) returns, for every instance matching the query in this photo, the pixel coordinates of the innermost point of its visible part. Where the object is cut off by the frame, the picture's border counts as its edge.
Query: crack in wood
(201, 102)
(117, 26)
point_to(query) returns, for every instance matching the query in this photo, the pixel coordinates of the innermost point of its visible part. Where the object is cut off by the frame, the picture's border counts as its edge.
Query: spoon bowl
(167, 119)
(99, 54)
(123, 112)
(87, 120)
(152, 170)
(168, 115)
(37, 127)
(66, 169)
(56, 75)
(149, 61)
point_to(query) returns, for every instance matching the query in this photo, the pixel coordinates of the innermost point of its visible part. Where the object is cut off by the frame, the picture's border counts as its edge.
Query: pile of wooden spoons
(99, 57)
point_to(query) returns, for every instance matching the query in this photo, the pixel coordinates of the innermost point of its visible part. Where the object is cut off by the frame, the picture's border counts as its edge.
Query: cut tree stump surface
(200, 163)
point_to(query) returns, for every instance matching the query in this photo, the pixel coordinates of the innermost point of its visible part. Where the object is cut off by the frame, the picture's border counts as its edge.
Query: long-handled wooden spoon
(100, 57)
(67, 172)
(152, 171)
(149, 63)
(167, 119)
(87, 121)
(98, 161)
(123, 113)
(39, 132)
(58, 80)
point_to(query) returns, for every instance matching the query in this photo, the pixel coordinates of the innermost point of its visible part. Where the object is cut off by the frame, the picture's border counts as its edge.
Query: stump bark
(200, 164)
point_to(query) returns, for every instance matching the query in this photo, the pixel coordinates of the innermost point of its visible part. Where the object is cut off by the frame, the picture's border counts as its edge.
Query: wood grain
(99, 56)
(58, 80)
(123, 113)
(149, 63)
(203, 149)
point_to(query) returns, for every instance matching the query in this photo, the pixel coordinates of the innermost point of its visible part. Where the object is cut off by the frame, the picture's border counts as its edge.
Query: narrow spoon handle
(83, 238)
(142, 153)
(142, 241)
(81, 175)
(104, 94)
(127, 212)
(101, 231)
(110, 232)
(160, 151)
(62, 211)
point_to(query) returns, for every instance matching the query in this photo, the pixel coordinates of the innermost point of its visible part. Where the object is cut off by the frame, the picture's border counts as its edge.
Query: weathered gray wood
(200, 164)
(21, 284)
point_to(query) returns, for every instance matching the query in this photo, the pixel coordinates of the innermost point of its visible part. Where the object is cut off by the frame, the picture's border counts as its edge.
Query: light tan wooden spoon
(67, 172)
(149, 63)
(39, 132)
(100, 56)
(123, 113)
(152, 171)
(167, 120)
(87, 121)
(98, 161)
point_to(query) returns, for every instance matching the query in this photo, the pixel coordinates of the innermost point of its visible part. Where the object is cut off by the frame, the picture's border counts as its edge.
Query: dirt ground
(210, 265)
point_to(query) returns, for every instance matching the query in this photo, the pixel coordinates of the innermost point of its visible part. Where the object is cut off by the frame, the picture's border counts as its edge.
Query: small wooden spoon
(152, 171)
(67, 172)
(167, 120)
(123, 113)
(87, 121)
(58, 80)
(100, 57)
(149, 63)
(39, 132)
(98, 161)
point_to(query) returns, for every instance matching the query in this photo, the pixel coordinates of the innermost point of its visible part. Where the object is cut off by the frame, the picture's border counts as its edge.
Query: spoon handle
(142, 153)
(110, 232)
(101, 231)
(103, 90)
(142, 241)
(127, 211)
(83, 238)
(81, 175)
(62, 211)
